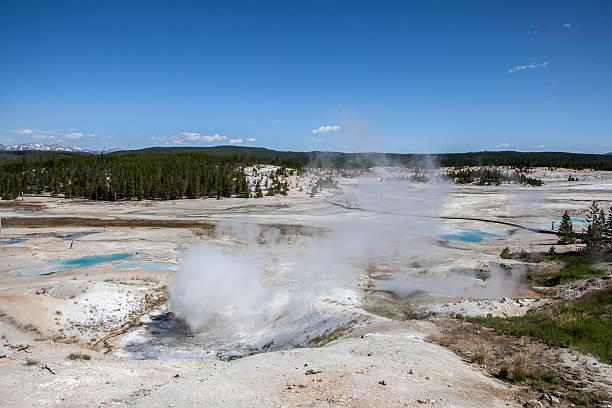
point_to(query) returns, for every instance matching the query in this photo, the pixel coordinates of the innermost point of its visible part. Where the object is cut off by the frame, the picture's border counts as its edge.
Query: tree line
(128, 176)
(597, 235)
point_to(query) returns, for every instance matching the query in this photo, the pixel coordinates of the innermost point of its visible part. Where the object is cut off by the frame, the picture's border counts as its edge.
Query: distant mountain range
(42, 148)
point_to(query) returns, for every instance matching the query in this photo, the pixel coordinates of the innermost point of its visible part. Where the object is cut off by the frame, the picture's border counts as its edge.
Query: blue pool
(152, 265)
(12, 241)
(74, 263)
(574, 220)
(471, 235)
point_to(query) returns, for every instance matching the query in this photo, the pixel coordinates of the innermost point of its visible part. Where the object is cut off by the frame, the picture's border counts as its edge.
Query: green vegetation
(104, 177)
(399, 311)
(478, 357)
(30, 361)
(329, 335)
(577, 265)
(79, 356)
(584, 324)
(518, 371)
(489, 176)
(566, 230)
(10, 156)
(574, 270)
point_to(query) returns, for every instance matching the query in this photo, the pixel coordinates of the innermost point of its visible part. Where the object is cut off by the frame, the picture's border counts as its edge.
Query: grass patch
(577, 265)
(30, 361)
(328, 336)
(79, 356)
(478, 357)
(518, 371)
(400, 311)
(571, 272)
(584, 324)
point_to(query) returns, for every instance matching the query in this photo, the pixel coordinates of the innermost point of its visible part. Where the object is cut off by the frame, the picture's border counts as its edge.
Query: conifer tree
(566, 230)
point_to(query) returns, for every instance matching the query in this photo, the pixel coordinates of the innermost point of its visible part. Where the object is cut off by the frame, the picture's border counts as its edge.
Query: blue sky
(429, 76)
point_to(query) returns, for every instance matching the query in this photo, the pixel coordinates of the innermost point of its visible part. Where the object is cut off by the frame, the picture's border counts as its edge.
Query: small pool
(152, 265)
(74, 263)
(471, 235)
(574, 220)
(12, 241)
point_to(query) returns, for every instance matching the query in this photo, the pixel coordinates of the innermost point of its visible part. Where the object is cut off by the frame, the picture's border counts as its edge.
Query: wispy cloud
(540, 146)
(529, 66)
(567, 25)
(74, 135)
(325, 129)
(197, 137)
(318, 139)
(278, 120)
(502, 144)
(533, 31)
(251, 140)
(235, 141)
(37, 133)
(159, 138)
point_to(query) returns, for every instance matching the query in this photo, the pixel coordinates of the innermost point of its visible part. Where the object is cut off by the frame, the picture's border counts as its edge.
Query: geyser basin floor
(156, 266)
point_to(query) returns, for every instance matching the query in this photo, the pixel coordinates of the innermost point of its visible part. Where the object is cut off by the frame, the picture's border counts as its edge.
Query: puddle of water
(74, 263)
(471, 235)
(12, 241)
(152, 265)
(574, 220)
(472, 273)
(80, 234)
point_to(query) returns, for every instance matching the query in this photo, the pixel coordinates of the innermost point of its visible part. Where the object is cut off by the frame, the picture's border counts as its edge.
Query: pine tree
(566, 230)
(608, 225)
(594, 232)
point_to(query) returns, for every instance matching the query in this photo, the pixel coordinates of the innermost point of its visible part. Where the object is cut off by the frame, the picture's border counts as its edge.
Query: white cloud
(533, 31)
(74, 135)
(540, 146)
(502, 144)
(159, 138)
(567, 25)
(318, 139)
(325, 129)
(235, 141)
(196, 137)
(529, 66)
(90, 134)
(36, 132)
(251, 140)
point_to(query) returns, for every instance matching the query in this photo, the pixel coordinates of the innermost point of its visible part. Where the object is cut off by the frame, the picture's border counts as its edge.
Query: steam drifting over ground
(254, 290)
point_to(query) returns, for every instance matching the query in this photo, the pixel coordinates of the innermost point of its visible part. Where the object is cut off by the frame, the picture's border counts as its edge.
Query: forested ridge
(131, 176)
(576, 161)
(170, 173)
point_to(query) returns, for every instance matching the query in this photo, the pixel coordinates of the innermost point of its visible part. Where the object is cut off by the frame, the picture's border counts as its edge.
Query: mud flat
(84, 278)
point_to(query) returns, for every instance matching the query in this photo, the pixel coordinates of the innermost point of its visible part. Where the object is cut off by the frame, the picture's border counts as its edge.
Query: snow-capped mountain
(42, 147)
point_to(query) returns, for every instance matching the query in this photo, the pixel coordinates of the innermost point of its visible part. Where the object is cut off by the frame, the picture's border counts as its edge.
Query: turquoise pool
(74, 263)
(471, 235)
(12, 241)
